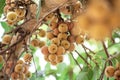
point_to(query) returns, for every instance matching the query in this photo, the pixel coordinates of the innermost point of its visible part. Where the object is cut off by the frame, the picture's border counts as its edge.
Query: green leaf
(2, 4)
(6, 27)
(61, 67)
(82, 76)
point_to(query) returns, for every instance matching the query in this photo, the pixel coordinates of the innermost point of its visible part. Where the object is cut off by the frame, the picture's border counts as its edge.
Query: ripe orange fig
(50, 35)
(42, 33)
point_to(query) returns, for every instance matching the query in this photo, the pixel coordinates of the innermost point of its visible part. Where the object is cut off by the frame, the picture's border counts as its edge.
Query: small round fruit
(50, 35)
(52, 48)
(71, 39)
(118, 66)
(20, 62)
(1, 59)
(46, 58)
(22, 77)
(35, 42)
(28, 74)
(66, 10)
(52, 57)
(79, 39)
(15, 76)
(19, 68)
(27, 57)
(56, 32)
(26, 68)
(59, 58)
(53, 63)
(65, 44)
(44, 50)
(117, 75)
(109, 71)
(20, 12)
(61, 50)
(49, 17)
(63, 27)
(10, 23)
(62, 36)
(41, 44)
(42, 33)
(53, 25)
(72, 47)
(6, 39)
(55, 41)
(12, 16)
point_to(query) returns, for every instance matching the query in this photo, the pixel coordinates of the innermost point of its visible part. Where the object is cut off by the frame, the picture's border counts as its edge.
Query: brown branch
(76, 61)
(10, 47)
(83, 58)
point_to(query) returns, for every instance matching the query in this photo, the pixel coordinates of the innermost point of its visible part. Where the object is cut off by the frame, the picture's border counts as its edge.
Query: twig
(89, 55)
(88, 49)
(106, 52)
(76, 61)
(83, 58)
(102, 74)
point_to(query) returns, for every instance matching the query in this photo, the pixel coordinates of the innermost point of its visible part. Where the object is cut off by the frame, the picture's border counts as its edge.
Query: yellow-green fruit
(65, 44)
(1, 59)
(52, 57)
(59, 58)
(63, 27)
(42, 33)
(28, 74)
(12, 16)
(20, 12)
(55, 41)
(109, 71)
(79, 39)
(27, 57)
(6, 39)
(61, 50)
(35, 42)
(62, 36)
(52, 48)
(19, 68)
